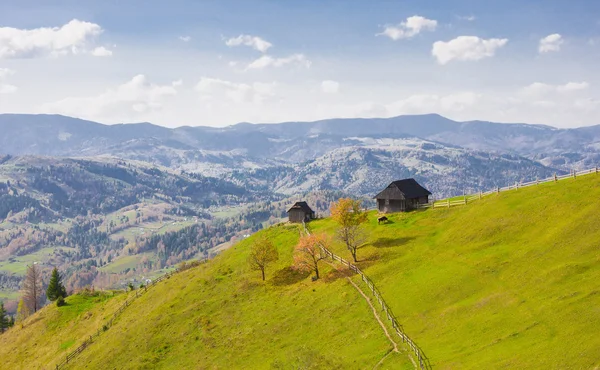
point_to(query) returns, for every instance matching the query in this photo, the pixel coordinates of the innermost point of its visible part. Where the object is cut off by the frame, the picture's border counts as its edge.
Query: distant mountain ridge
(302, 156)
(294, 141)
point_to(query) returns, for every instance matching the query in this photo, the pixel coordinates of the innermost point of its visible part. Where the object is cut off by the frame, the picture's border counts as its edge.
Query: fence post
(537, 180)
(555, 178)
(574, 174)
(498, 189)
(596, 170)
(448, 202)
(479, 194)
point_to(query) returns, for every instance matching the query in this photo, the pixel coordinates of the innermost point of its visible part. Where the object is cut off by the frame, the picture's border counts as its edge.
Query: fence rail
(420, 355)
(88, 341)
(447, 203)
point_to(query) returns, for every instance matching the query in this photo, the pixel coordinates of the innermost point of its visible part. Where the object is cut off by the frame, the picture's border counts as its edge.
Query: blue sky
(221, 62)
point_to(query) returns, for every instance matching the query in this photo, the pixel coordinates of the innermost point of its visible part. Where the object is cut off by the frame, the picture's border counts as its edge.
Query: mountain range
(290, 142)
(354, 155)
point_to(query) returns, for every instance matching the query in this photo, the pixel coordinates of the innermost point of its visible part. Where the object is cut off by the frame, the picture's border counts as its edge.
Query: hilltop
(506, 281)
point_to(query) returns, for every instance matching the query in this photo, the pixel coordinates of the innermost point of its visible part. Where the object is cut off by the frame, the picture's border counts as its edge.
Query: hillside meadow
(509, 281)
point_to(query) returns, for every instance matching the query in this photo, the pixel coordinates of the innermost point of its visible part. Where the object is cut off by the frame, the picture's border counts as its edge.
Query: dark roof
(301, 205)
(409, 187)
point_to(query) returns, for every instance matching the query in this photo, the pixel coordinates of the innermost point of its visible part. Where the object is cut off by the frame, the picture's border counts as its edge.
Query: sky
(217, 63)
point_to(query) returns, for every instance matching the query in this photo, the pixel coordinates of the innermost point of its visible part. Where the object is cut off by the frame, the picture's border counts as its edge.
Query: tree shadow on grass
(391, 242)
(288, 276)
(338, 272)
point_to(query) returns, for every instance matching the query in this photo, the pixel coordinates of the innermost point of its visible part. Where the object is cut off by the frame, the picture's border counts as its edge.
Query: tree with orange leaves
(308, 252)
(349, 216)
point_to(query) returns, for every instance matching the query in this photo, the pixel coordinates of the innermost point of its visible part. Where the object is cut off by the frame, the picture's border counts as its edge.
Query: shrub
(131, 287)
(60, 301)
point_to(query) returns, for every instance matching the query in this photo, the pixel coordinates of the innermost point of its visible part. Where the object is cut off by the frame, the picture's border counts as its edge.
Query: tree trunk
(353, 251)
(263, 274)
(317, 271)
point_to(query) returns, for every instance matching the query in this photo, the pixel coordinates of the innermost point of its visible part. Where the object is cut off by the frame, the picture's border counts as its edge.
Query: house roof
(409, 187)
(301, 205)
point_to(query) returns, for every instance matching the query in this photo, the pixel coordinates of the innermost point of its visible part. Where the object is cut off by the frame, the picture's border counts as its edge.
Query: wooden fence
(419, 354)
(457, 201)
(88, 341)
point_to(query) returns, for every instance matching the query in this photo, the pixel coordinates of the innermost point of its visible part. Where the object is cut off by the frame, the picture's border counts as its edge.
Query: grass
(8, 295)
(221, 315)
(19, 266)
(44, 338)
(119, 265)
(506, 282)
(510, 281)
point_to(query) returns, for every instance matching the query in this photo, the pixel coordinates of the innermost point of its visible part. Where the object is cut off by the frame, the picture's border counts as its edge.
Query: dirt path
(383, 327)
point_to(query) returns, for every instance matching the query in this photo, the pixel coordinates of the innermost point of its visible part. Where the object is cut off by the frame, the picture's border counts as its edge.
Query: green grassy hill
(510, 281)
(43, 339)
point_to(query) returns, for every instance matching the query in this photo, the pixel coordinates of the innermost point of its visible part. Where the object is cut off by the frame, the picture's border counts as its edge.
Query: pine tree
(56, 288)
(3, 319)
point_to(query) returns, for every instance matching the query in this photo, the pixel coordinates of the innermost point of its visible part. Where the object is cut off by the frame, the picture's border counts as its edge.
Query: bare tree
(262, 253)
(308, 253)
(32, 288)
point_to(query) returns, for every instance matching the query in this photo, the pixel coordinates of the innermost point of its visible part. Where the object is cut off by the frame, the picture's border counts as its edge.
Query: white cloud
(539, 89)
(254, 42)
(6, 88)
(469, 18)
(268, 61)
(430, 103)
(466, 48)
(330, 87)
(101, 51)
(135, 96)
(409, 28)
(185, 38)
(5, 72)
(217, 89)
(70, 38)
(550, 43)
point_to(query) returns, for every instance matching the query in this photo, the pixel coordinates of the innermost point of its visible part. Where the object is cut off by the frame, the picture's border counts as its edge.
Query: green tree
(4, 323)
(55, 288)
(262, 253)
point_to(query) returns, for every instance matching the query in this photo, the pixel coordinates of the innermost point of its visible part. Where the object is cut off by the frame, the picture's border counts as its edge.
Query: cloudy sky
(221, 62)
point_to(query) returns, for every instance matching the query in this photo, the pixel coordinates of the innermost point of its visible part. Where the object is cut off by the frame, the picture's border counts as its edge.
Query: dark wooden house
(401, 196)
(299, 212)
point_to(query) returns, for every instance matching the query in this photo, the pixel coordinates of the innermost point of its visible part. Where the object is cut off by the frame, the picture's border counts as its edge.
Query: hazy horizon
(287, 122)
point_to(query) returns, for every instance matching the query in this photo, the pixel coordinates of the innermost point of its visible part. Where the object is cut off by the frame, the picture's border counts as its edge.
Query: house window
(387, 202)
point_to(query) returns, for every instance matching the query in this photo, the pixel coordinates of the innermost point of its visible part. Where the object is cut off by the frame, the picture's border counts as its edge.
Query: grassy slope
(507, 282)
(220, 315)
(44, 338)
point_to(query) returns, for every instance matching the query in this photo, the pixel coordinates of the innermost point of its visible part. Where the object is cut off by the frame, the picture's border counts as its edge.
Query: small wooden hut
(401, 196)
(300, 212)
